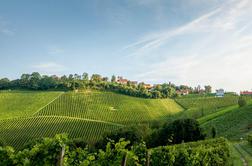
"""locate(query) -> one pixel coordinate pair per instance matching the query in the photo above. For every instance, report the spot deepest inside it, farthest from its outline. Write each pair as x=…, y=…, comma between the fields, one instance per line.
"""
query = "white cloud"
x=221, y=19
x=213, y=49
x=49, y=67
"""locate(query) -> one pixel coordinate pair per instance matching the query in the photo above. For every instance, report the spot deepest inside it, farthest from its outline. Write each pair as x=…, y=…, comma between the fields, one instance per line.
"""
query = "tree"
x=105, y=79
x=34, y=80
x=181, y=130
x=113, y=78
x=213, y=132
x=4, y=83
x=85, y=76
x=242, y=102
x=129, y=134
x=208, y=89
x=96, y=78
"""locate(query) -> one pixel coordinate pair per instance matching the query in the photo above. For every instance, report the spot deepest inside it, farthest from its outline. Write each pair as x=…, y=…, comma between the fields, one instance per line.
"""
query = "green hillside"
x=111, y=107
x=233, y=123
x=197, y=107
x=86, y=115
x=23, y=103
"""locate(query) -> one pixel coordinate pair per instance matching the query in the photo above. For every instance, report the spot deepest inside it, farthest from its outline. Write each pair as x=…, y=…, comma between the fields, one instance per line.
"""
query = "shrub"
x=242, y=102
x=210, y=152
x=130, y=134
x=181, y=130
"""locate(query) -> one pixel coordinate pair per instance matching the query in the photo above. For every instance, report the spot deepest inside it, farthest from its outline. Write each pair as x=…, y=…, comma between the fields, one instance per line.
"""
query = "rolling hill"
x=86, y=115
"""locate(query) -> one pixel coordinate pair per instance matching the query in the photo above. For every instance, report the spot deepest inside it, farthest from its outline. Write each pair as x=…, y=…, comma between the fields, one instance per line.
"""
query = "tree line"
x=36, y=81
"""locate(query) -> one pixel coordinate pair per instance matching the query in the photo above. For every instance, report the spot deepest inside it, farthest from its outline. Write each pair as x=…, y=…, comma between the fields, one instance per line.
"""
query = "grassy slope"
x=233, y=124
x=18, y=132
x=23, y=103
x=82, y=115
x=201, y=106
x=108, y=106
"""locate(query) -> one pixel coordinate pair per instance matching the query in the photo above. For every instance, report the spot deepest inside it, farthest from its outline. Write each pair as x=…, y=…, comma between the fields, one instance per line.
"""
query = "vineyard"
x=235, y=124
x=111, y=107
x=24, y=103
x=46, y=152
x=199, y=107
x=86, y=115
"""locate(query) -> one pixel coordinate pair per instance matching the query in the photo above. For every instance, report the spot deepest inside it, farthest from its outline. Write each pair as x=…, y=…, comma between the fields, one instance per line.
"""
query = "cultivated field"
x=197, y=107
x=23, y=103
x=86, y=115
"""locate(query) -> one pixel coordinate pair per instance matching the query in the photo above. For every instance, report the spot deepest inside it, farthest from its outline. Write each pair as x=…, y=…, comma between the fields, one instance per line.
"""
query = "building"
x=220, y=93
x=121, y=80
x=147, y=86
x=183, y=92
x=246, y=93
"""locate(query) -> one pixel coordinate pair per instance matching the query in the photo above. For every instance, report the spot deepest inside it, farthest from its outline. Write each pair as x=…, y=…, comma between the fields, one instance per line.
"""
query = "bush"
x=129, y=134
x=210, y=152
x=181, y=130
x=242, y=102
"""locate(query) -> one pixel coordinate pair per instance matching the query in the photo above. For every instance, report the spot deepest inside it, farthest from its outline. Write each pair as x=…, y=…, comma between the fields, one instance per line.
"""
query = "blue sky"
x=183, y=41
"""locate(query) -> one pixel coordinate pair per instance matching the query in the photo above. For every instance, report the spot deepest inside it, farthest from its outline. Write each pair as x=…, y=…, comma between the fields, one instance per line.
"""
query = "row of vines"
x=17, y=132
x=57, y=150
x=110, y=107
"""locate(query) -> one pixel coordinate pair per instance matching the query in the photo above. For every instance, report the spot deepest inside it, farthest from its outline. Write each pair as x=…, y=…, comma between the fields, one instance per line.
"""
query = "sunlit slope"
x=234, y=124
x=197, y=107
x=23, y=103
x=17, y=132
x=111, y=107
x=82, y=115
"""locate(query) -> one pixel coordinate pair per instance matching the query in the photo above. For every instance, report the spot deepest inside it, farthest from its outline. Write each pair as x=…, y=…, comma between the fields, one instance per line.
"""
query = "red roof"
x=246, y=93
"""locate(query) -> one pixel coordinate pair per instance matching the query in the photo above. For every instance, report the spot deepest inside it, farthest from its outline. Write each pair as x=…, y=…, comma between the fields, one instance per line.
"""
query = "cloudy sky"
x=183, y=41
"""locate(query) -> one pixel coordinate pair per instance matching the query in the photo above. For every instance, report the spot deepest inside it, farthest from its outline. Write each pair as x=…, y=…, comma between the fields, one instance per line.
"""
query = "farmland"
x=201, y=106
x=27, y=115
x=86, y=115
x=234, y=124
x=111, y=107
x=23, y=103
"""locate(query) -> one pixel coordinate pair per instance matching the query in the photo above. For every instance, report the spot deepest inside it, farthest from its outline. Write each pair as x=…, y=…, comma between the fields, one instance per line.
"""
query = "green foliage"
x=181, y=130
x=235, y=124
x=49, y=151
x=201, y=106
x=209, y=152
x=35, y=81
x=242, y=102
x=16, y=132
x=130, y=134
x=213, y=132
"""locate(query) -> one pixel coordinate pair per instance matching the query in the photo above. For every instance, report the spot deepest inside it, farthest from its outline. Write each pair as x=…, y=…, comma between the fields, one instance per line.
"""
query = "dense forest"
x=36, y=81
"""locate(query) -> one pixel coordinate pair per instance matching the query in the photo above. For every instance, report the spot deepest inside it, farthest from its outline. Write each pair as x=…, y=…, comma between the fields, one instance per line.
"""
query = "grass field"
x=86, y=115
x=23, y=103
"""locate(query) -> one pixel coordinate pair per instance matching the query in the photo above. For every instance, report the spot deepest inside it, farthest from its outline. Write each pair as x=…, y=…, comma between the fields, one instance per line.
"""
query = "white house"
x=220, y=93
